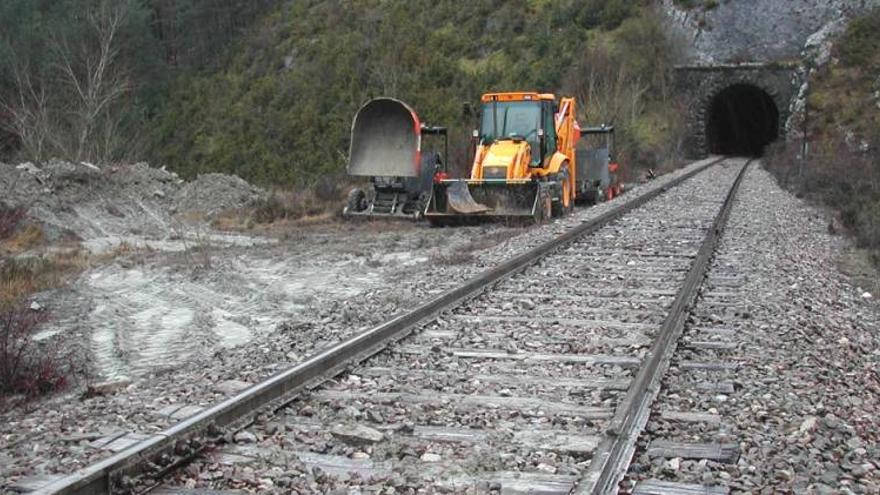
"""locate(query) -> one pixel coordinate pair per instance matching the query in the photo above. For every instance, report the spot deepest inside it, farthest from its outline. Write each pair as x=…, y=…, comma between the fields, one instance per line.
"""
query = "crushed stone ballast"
x=592, y=299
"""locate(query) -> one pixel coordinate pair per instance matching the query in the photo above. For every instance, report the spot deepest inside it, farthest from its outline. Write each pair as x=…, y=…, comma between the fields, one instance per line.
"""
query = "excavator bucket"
x=385, y=140
x=459, y=202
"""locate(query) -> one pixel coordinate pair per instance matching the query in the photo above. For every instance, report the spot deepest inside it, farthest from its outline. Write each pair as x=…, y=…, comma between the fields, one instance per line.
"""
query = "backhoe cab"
x=524, y=164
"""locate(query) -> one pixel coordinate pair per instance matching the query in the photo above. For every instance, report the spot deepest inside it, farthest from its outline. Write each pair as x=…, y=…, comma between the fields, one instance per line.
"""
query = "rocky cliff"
x=732, y=31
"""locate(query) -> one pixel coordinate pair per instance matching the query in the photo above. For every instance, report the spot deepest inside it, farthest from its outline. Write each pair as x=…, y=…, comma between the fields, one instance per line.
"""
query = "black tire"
x=544, y=209
x=357, y=201
x=600, y=195
x=559, y=209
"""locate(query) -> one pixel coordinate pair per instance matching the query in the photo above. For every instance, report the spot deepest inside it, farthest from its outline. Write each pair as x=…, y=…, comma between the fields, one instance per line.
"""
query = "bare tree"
x=97, y=83
x=73, y=109
x=28, y=112
x=610, y=92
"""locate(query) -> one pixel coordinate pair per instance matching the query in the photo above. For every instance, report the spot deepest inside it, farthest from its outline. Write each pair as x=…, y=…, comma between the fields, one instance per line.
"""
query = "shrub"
x=26, y=366
x=10, y=219
x=838, y=177
x=860, y=44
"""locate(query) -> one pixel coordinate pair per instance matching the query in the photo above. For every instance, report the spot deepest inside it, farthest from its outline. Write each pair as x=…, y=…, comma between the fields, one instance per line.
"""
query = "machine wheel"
x=357, y=200
x=544, y=209
x=600, y=195
x=565, y=204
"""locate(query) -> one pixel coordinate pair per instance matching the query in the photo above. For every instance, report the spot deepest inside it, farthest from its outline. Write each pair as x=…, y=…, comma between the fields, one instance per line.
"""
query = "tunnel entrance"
x=743, y=119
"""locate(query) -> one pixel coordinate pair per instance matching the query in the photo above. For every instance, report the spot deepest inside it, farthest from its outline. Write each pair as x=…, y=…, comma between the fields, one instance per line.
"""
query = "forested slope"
x=84, y=79
x=267, y=89
x=842, y=166
x=280, y=112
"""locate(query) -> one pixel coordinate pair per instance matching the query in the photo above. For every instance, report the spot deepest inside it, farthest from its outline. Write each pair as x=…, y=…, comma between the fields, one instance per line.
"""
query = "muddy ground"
x=151, y=310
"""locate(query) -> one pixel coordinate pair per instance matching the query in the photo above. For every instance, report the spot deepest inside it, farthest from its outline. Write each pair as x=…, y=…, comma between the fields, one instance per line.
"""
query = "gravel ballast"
x=801, y=343
x=59, y=434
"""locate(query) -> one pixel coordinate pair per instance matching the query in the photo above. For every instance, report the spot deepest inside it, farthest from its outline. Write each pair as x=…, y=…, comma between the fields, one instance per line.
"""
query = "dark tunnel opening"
x=743, y=119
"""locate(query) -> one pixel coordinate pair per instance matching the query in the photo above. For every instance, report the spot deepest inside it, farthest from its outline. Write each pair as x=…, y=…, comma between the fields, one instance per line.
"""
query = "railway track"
x=535, y=377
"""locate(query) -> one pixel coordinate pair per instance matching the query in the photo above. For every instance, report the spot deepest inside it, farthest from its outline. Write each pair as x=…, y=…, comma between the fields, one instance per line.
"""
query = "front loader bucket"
x=459, y=200
x=456, y=202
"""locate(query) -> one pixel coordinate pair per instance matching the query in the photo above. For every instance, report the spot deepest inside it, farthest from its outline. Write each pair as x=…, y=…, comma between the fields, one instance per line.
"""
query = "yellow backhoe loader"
x=524, y=165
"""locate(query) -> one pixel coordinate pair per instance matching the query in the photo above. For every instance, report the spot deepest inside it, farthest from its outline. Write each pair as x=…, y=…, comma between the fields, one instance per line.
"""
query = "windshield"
x=515, y=118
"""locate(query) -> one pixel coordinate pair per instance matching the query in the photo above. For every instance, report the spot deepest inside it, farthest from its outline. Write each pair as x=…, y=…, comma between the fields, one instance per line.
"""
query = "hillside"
x=83, y=79
x=279, y=111
x=841, y=168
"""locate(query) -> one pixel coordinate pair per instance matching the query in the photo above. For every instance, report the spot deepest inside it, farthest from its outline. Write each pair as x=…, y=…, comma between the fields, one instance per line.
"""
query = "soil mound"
x=82, y=201
x=212, y=193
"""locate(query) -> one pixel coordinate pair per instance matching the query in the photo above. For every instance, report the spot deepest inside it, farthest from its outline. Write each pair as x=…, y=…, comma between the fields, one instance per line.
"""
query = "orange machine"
x=524, y=164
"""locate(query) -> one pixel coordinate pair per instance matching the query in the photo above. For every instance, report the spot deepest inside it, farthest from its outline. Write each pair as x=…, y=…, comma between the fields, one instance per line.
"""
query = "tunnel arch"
x=741, y=119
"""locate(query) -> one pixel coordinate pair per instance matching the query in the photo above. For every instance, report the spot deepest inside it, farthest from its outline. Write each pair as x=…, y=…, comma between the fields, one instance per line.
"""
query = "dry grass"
x=281, y=210
x=28, y=266
x=16, y=235
x=24, y=239
x=21, y=277
x=835, y=176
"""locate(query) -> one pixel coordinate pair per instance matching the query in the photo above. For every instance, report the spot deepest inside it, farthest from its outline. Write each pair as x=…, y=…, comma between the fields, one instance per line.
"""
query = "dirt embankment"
x=82, y=202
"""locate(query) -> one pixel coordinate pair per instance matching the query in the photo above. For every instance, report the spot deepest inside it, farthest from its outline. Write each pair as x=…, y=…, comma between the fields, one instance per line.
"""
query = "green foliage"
x=274, y=105
x=842, y=170
x=624, y=77
x=41, y=112
x=860, y=44
x=693, y=4
x=279, y=111
x=843, y=96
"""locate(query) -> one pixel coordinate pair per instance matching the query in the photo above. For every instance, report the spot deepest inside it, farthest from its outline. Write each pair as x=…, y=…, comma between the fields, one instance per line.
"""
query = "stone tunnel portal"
x=742, y=120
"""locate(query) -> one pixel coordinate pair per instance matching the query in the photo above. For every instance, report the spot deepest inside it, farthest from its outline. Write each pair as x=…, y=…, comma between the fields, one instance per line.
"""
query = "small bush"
x=10, y=219
x=272, y=208
x=27, y=367
x=847, y=181
x=860, y=44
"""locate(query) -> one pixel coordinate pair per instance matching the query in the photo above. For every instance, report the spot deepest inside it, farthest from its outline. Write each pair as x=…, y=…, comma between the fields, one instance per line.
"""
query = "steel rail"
x=183, y=440
x=613, y=455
